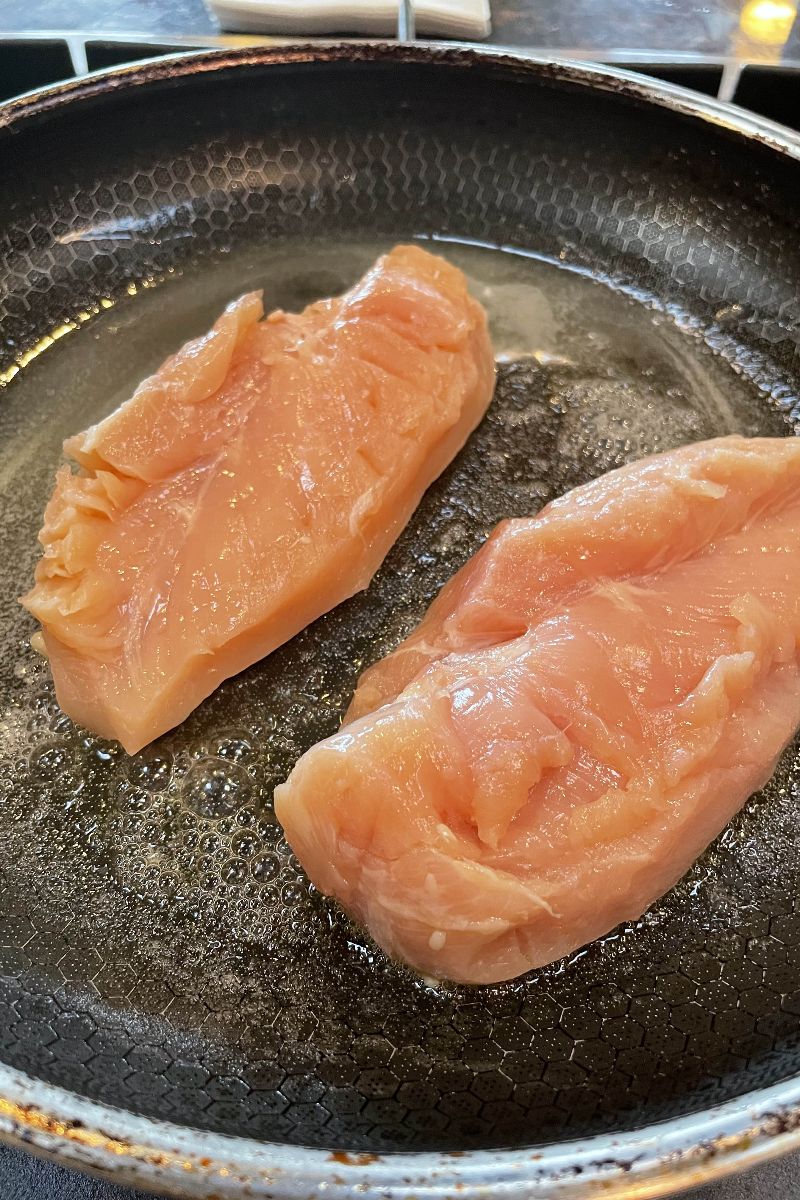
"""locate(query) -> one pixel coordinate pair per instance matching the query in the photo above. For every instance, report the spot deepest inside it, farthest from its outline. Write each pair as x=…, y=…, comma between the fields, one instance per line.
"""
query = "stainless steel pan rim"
x=597, y=75
x=653, y=1161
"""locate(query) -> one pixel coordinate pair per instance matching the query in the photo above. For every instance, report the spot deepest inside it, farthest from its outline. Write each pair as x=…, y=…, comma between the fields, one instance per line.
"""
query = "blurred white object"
x=444, y=18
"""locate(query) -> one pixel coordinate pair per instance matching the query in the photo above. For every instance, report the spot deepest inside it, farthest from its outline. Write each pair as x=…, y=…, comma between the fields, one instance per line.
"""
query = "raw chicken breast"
x=586, y=704
x=251, y=484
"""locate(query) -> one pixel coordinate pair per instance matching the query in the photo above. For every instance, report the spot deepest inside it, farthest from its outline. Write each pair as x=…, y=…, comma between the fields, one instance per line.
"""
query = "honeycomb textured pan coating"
x=160, y=947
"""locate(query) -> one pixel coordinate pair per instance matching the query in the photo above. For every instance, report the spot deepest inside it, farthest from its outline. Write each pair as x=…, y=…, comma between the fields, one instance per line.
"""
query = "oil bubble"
x=151, y=770
x=265, y=868
x=136, y=800
x=215, y=790
x=245, y=844
x=52, y=760
x=234, y=746
x=233, y=871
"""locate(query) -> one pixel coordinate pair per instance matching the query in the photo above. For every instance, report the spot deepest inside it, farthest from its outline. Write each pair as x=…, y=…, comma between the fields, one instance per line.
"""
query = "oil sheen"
x=180, y=894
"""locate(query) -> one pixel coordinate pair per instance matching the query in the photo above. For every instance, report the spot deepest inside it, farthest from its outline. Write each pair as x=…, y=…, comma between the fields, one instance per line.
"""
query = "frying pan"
x=178, y=1008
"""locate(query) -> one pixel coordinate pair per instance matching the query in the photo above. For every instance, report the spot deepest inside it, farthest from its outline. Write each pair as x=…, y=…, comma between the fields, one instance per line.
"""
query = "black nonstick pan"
x=178, y=1007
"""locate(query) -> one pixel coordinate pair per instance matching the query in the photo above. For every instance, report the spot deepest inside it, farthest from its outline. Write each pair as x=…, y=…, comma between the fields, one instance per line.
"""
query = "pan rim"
x=631, y=84
x=144, y=1152
x=652, y=1160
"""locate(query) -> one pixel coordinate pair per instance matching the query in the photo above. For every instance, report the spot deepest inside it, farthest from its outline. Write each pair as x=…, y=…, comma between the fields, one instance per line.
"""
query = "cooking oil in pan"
x=165, y=875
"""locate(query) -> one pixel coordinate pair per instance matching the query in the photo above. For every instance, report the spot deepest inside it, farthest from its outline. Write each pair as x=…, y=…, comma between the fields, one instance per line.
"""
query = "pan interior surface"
x=160, y=947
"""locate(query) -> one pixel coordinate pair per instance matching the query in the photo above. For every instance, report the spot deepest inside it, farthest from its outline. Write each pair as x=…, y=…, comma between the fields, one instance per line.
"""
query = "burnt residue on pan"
x=160, y=949
x=170, y=1158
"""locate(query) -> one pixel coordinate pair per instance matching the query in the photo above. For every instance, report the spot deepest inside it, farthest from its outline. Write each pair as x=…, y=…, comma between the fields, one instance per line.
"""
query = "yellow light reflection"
x=768, y=22
x=52, y=337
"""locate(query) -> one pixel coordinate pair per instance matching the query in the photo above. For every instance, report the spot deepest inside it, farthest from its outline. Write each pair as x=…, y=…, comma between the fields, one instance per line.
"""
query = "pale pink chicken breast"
x=585, y=706
x=251, y=484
